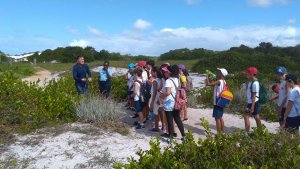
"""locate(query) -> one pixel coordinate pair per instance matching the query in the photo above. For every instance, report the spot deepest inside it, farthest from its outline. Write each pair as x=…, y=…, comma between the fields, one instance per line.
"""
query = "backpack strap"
x=176, y=88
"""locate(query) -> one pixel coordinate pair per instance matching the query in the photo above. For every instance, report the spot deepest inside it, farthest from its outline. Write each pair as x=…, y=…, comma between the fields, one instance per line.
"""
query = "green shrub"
x=29, y=106
x=259, y=149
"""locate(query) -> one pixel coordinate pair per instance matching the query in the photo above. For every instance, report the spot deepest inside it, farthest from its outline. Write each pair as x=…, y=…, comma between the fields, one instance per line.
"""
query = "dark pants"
x=175, y=114
x=82, y=88
x=104, y=87
x=292, y=124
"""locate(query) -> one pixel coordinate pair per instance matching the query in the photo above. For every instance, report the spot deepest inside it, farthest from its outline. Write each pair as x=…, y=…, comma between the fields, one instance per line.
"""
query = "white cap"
x=223, y=71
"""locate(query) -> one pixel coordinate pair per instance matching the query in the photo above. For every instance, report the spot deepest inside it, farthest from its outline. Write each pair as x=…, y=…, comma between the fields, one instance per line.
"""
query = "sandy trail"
x=43, y=77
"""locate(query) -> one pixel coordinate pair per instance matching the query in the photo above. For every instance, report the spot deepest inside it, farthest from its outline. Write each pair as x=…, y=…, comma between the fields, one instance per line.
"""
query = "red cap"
x=142, y=63
x=251, y=71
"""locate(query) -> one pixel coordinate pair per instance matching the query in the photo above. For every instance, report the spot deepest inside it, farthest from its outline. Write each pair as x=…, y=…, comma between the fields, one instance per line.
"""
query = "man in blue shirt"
x=82, y=75
x=105, y=75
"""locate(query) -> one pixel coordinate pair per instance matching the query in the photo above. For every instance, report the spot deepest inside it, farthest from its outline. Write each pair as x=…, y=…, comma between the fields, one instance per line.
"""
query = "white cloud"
x=266, y=3
x=192, y=2
x=160, y=41
x=72, y=30
x=95, y=32
x=141, y=24
x=80, y=43
x=292, y=21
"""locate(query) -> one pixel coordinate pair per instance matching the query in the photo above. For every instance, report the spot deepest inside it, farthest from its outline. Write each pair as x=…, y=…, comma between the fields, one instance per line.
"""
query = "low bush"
x=97, y=109
x=259, y=149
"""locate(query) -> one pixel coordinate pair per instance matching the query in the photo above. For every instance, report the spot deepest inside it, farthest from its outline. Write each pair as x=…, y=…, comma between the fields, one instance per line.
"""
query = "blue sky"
x=149, y=27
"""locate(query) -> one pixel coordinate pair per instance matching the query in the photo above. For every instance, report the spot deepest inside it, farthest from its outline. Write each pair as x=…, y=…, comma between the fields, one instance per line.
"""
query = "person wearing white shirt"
x=291, y=119
x=171, y=86
x=252, y=98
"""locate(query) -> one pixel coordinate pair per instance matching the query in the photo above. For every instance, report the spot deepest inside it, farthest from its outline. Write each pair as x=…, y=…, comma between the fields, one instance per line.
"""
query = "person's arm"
x=88, y=71
x=274, y=98
x=208, y=83
x=167, y=93
x=75, y=74
x=108, y=73
x=255, y=90
x=253, y=101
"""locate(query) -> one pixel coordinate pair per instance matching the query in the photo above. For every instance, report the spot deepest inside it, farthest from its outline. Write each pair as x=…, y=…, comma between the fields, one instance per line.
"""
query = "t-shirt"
x=103, y=75
x=282, y=93
x=294, y=96
x=255, y=88
x=136, y=97
x=128, y=76
x=144, y=76
x=218, y=89
x=158, y=84
x=169, y=101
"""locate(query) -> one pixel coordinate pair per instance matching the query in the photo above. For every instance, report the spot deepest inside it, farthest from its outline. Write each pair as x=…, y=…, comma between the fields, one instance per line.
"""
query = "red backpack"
x=180, y=98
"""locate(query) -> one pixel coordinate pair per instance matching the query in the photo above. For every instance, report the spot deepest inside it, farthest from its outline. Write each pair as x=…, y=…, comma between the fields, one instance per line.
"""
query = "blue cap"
x=280, y=70
x=131, y=65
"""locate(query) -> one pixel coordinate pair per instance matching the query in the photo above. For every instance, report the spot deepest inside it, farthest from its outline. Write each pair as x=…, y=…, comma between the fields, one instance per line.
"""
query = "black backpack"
x=144, y=92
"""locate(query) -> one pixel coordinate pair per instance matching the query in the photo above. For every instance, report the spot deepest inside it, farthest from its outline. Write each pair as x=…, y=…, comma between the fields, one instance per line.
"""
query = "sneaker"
x=145, y=121
x=135, y=116
x=136, y=123
x=154, y=130
x=165, y=135
x=174, y=134
x=140, y=126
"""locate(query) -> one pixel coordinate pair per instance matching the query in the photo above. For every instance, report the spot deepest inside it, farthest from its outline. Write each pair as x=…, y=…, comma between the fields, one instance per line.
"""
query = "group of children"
x=288, y=98
x=162, y=83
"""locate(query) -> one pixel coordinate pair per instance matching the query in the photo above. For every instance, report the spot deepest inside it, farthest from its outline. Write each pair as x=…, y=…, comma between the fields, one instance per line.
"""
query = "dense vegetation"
x=69, y=54
x=259, y=149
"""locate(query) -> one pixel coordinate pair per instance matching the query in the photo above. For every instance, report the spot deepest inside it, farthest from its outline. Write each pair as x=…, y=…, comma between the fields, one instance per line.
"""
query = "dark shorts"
x=218, y=112
x=82, y=88
x=281, y=118
x=256, y=109
x=104, y=87
x=138, y=106
x=292, y=123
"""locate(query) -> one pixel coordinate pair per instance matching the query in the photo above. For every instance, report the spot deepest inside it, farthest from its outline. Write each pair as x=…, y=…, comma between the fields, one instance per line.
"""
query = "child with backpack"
x=219, y=86
x=281, y=73
x=291, y=119
x=138, y=98
x=253, y=91
x=171, y=86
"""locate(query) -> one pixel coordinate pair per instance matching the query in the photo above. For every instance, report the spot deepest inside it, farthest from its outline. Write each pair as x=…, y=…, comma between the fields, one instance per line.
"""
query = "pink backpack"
x=180, y=98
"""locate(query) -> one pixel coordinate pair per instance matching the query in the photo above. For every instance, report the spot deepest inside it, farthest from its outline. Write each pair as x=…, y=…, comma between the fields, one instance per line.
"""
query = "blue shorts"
x=138, y=106
x=218, y=112
x=292, y=123
x=282, y=115
x=82, y=88
x=256, y=109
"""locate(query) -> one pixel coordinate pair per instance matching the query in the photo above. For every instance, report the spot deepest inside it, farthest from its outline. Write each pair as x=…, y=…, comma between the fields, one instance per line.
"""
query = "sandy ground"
x=83, y=146
x=43, y=77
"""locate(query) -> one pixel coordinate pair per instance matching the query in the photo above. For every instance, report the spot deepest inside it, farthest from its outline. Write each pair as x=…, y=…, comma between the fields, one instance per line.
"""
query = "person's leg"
x=185, y=113
x=102, y=87
x=247, y=122
x=161, y=118
x=178, y=121
x=218, y=124
x=256, y=114
x=169, y=116
x=79, y=89
x=108, y=87
x=247, y=118
x=222, y=124
x=281, y=117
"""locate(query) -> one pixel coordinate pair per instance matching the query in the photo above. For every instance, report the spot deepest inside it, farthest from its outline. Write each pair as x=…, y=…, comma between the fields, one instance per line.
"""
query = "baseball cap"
x=165, y=69
x=251, y=71
x=142, y=63
x=181, y=66
x=280, y=70
x=223, y=71
x=291, y=77
x=131, y=65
